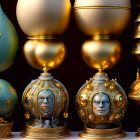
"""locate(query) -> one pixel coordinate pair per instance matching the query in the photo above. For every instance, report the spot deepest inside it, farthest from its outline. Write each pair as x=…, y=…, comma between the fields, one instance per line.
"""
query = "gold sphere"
x=49, y=53
x=40, y=53
x=101, y=54
x=29, y=53
x=43, y=18
x=65, y=114
x=27, y=115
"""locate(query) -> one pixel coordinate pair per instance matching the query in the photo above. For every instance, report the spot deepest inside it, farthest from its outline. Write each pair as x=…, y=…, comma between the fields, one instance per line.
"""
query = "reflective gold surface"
x=101, y=54
x=42, y=18
x=99, y=117
x=84, y=101
x=137, y=30
x=41, y=133
x=135, y=89
x=40, y=53
x=46, y=123
x=136, y=50
x=50, y=53
x=97, y=17
x=120, y=3
x=5, y=129
x=114, y=133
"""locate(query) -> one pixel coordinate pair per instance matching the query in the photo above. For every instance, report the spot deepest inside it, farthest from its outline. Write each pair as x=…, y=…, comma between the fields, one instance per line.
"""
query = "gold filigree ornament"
x=42, y=100
x=101, y=107
x=135, y=93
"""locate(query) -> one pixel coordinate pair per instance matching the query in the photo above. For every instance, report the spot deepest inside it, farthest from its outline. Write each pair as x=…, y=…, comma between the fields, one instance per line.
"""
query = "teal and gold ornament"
x=8, y=101
x=8, y=42
x=8, y=95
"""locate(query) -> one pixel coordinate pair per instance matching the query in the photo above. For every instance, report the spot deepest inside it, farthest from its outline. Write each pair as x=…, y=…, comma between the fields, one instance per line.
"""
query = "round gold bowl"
x=101, y=54
x=102, y=18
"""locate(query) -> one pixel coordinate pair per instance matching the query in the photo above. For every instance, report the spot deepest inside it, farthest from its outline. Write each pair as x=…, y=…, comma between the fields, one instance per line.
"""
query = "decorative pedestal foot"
x=43, y=133
x=113, y=133
x=5, y=129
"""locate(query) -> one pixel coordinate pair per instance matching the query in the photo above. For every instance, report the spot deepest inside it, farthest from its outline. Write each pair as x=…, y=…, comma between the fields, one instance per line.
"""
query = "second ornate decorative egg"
x=101, y=104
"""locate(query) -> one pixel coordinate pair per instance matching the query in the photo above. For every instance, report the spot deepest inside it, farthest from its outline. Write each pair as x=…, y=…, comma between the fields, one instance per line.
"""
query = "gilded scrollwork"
x=104, y=104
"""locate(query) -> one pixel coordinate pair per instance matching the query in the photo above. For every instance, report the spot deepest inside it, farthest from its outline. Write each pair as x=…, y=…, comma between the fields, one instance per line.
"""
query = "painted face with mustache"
x=101, y=104
x=46, y=102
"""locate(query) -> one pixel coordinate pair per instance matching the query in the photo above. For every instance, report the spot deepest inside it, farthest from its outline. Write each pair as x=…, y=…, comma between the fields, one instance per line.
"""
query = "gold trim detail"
x=5, y=130
x=8, y=102
x=105, y=6
x=45, y=133
x=113, y=133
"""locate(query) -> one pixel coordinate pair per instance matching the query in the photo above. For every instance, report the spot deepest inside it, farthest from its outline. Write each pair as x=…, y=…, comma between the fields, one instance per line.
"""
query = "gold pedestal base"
x=5, y=129
x=113, y=133
x=45, y=133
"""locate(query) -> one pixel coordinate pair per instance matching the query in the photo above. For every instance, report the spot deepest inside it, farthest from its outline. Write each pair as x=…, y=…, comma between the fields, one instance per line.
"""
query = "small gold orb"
x=60, y=94
x=112, y=87
x=27, y=115
x=65, y=114
x=106, y=84
x=9, y=102
x=89, y=87
x=91, y=117
x=81, y=112
x=111, y=118
x=58, y=85
x=117, y=117
x=82, y=100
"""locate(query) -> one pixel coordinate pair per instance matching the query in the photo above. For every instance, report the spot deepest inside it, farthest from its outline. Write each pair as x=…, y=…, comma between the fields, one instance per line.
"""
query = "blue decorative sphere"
x=8, y=98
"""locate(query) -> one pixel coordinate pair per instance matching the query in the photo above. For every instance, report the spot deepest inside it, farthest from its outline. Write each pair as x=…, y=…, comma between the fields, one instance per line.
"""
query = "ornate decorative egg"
x=104, y=103
x=45, y=97
x=43, y=17
x=8, y=42
x=98, y=17
x=8, y=98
